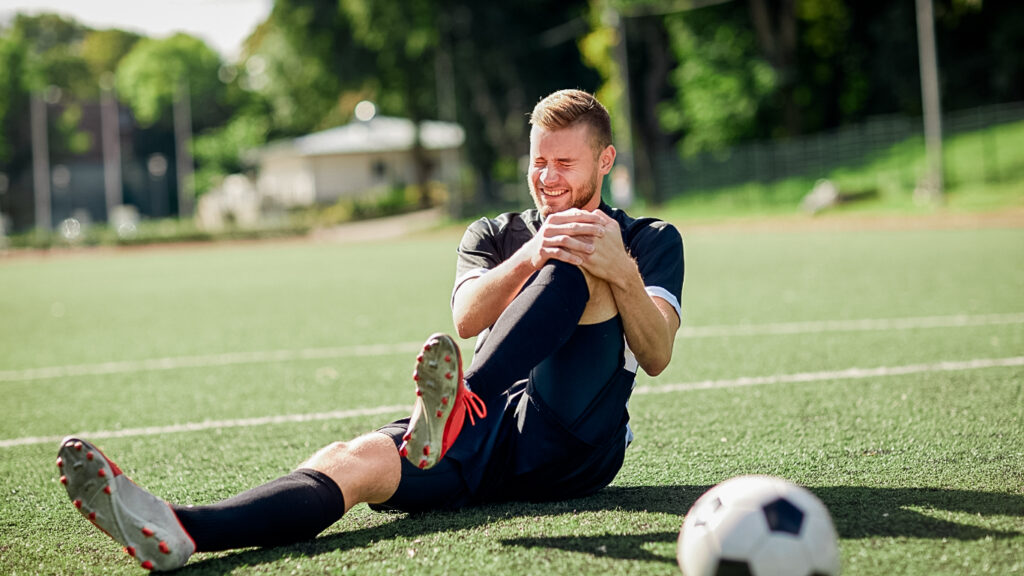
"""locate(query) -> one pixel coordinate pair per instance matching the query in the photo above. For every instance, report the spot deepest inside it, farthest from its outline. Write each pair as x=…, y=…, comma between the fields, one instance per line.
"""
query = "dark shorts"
x=525, y=450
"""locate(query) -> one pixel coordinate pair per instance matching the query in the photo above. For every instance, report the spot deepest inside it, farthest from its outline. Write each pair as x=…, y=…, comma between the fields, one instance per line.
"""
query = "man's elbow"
x=463, y=325
x=464, y=331
x=655, y=365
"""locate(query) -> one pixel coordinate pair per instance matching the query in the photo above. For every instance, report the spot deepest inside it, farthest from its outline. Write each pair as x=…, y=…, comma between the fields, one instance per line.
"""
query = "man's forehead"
x=570, y=138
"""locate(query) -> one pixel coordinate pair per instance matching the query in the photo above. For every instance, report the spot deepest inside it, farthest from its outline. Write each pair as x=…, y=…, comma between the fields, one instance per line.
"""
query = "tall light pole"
x=182, y=142
x=40, y=162
x=111, y=136
x=932, y=186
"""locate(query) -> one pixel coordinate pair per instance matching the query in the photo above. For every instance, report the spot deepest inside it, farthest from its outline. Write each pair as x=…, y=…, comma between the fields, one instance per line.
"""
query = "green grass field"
x=204, y=371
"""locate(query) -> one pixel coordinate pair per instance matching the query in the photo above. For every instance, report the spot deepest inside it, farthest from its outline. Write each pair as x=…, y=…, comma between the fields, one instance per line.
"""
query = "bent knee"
x=601, y=304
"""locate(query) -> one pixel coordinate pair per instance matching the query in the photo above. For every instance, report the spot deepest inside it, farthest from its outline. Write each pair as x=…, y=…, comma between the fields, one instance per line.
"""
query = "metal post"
x=40, y=162
x=182, y=139
x=930, y=97
x=625, y=112
x=111, y=134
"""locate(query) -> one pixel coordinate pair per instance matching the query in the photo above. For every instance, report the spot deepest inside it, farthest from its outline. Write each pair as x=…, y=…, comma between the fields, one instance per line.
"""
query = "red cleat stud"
x=129, y=551
x=78, y=446
x=415, y=376
x=407, y=436
x=444, y=401
x=439, y=413
x=419, y=358
x=448, y=375
x=147, y=532
x=60, y=462
x=426, y=450
x=88, y=456
x=64, y=480
x=423, y=463
x=106, y=489
x=419, y=392
x=448, y=358
x=147, y=565
x=403, y=451
x=164, y=548
x=92, y=516
x=78, y=504
x=102, y=473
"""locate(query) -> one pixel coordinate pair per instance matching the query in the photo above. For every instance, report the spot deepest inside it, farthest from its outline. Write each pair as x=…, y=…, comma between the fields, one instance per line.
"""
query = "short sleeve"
x=478, y=253
x=658, y=250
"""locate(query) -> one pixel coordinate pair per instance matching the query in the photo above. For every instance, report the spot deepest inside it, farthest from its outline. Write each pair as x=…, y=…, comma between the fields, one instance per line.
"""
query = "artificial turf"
x=923, y=472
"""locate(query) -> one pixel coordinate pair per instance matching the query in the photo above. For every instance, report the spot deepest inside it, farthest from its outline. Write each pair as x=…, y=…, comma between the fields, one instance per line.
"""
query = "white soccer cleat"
x=144, y=524
x=442, y=403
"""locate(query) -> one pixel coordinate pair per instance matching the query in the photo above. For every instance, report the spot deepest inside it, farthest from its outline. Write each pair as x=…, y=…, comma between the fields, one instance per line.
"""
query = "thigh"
x=573, y=383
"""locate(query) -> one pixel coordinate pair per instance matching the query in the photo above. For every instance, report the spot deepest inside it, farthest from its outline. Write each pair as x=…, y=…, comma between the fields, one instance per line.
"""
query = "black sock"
x=290, y=509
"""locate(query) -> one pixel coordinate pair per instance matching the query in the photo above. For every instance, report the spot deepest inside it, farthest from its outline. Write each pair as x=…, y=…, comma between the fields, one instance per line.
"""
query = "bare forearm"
x=650, y=325
x=479, y=302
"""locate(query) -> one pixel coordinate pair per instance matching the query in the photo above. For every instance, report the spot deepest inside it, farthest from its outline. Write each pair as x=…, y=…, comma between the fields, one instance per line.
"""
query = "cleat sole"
x=435, y=386
x=122, y=510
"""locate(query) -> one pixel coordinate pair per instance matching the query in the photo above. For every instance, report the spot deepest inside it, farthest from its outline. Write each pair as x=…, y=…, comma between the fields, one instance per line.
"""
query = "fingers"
x=576, y=215
x=574, y=229
x=563, y=255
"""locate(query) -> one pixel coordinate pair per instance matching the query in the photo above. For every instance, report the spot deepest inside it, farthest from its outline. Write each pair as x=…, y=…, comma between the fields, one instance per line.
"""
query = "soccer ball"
x=758, y=526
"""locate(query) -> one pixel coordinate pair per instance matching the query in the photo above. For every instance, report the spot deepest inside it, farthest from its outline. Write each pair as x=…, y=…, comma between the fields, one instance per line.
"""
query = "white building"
x=356, y=160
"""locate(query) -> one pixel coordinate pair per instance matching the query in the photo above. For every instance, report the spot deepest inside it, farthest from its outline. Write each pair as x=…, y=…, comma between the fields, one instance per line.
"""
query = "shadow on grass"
x=858, y=512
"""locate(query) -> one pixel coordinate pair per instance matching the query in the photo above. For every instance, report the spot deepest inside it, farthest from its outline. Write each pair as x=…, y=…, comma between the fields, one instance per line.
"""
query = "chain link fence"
x=980, y=158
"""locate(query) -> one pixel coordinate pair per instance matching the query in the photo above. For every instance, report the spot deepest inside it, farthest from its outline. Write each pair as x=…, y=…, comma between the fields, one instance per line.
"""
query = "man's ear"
x=606, y=159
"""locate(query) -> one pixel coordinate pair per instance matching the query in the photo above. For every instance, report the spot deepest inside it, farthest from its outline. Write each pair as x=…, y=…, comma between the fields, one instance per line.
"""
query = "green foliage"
x=597, y=51
x=149, y=77
x=218, y=151
x=721, y=82
x=104, y=49
x=15, y=83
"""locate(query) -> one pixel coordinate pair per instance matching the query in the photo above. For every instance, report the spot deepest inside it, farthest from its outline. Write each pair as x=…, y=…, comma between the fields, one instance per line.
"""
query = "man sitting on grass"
x=567, y=300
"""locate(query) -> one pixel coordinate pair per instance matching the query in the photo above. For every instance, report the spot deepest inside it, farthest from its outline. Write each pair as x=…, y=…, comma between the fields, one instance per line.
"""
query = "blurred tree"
x=54, y=65
x=304, y=60
x=720, y=81
x=15, y=84
x=149, y=76
x=498, y=59
x=103, y=50
x=505, y=58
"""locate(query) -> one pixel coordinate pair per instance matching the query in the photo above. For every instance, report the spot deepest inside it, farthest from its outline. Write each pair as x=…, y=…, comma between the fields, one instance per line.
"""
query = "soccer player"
x=566, y=300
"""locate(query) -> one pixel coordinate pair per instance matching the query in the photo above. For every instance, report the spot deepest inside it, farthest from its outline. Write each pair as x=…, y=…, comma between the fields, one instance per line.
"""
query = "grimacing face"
x=565, y=172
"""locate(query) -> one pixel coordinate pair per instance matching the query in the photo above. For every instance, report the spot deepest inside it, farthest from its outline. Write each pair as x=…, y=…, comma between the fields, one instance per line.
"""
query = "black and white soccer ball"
x=758, y=526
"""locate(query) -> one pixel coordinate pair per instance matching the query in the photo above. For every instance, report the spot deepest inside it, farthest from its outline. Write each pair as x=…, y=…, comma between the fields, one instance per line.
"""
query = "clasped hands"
x=589, y=239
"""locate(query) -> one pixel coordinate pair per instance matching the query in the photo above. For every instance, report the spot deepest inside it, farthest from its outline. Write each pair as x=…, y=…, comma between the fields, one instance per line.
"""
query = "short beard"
x=586, y=195
x=588, y=191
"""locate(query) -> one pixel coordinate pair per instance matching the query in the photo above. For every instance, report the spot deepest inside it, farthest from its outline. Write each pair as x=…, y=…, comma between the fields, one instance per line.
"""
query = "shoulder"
x=512, y=224
x=643, y=231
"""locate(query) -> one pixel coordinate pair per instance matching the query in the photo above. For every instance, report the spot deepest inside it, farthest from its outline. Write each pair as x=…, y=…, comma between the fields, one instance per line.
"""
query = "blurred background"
x=127, y=122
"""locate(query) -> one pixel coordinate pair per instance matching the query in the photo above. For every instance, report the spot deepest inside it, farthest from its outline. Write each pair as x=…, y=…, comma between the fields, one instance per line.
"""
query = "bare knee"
x=601, y=305
x=367, y=469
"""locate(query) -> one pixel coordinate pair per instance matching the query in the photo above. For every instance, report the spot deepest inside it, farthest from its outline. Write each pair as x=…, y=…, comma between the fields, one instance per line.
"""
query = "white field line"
x=237, y=358
x=212, y=425
x=848, y=374
x=864, y=325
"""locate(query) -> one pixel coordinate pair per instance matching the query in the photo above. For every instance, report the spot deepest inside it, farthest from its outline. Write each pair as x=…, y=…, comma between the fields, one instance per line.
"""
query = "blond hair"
x=567, y=108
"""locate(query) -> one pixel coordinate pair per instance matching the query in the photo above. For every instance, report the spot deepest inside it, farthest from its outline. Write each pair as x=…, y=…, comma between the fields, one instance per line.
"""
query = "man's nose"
x=548, y=175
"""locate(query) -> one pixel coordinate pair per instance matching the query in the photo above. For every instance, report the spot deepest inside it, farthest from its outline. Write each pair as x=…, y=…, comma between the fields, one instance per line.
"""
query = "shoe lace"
x=473, y=403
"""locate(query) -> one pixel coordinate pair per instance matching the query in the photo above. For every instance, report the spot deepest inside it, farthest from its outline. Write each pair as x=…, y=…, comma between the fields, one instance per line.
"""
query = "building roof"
x=380, y=134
